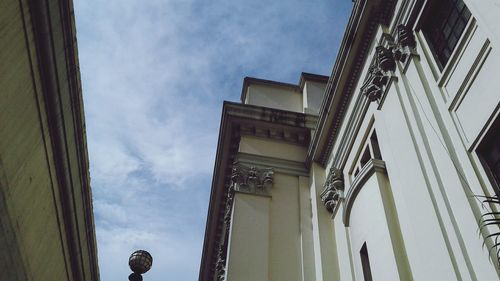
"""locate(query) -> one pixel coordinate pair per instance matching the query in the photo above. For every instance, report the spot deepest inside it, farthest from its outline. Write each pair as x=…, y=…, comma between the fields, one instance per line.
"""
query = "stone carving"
x=384, y=65
x=220, y=265
x=374, y=84
x=276, y=116
x=385, y=59
x=405, y=43
x=243, y=179
x=334, y=185
x=251, y=179
x=379, y=74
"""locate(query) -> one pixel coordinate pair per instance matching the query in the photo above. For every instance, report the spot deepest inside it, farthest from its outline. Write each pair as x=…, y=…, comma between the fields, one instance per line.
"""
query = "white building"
x=378, y=172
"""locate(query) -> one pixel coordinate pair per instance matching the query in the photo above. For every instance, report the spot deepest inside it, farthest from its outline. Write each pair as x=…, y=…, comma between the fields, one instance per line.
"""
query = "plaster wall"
x=313, y=96
x=285, y=262
x=368, y=225
x=269, y=148
x=29, y=211
x=274, y=97
x=248, y=248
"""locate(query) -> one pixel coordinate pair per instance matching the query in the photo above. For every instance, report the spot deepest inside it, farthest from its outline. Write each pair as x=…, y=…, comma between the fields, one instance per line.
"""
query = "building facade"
x=46, y=222
x=389, y=169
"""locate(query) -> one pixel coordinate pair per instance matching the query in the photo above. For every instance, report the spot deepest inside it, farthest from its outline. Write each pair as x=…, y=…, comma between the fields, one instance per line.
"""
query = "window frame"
x=429, y=11
x=487, y=138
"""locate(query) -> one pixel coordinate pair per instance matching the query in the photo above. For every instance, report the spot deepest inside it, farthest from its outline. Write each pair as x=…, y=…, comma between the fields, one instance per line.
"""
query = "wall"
x=313, y=96
x=46, y=225
x=428, y=122
x=279, y=97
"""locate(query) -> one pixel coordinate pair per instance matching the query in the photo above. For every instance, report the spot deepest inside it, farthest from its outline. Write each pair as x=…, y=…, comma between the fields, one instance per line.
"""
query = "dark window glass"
x=365, y=157
x=365, y=263
x=489, y=153
x=375, y=147
x=444, y=23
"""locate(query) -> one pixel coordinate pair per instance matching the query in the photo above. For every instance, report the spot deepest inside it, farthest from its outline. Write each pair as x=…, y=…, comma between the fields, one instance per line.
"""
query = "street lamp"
x=140, y=262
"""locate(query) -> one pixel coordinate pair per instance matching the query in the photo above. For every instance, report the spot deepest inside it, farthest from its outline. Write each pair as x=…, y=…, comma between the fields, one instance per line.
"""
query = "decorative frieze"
x=251, y=179
x=334, y=185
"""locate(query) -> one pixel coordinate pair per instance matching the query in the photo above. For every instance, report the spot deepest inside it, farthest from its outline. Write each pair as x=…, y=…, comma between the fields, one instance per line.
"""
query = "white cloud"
x=154, y=75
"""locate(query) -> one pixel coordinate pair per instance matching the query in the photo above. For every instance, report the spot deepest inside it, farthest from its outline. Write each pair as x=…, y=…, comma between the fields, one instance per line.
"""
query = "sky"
x=155, y=74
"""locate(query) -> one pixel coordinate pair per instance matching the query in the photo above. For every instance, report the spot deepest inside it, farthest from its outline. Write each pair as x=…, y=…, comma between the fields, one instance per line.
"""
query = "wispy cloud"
x=154, y=76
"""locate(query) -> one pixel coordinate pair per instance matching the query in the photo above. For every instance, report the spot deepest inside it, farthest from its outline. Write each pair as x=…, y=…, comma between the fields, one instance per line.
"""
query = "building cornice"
x=366, y=15
x=56, y=55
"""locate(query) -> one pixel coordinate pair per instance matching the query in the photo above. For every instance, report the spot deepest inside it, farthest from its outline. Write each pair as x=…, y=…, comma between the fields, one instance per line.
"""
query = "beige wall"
x=41, y=215
x=277, y=97
x=313, y=96
x=248, y=248
x=417, y=215
x=427, y=128
x=270, y=148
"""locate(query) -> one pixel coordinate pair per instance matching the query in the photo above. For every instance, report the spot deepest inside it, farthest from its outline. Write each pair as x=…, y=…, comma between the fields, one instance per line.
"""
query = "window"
x=365, y=263
x=489, y=154
x=444, y=23
x=371, y=151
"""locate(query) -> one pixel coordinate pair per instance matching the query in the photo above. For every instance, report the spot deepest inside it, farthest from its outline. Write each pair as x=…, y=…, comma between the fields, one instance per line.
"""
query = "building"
x=46, y=221
x=389, y=169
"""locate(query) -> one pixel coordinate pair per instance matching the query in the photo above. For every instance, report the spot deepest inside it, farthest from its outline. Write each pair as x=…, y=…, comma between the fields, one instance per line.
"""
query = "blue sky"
x=155, y=74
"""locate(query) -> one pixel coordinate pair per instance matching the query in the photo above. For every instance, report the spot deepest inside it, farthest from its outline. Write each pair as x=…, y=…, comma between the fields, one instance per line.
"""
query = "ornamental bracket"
x=405, y=44
x=251, y=179
x=332, y=193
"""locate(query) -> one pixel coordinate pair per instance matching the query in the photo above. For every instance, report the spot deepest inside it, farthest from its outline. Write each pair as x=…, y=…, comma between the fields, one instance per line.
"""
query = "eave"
x=53, y=26
x=360, y=31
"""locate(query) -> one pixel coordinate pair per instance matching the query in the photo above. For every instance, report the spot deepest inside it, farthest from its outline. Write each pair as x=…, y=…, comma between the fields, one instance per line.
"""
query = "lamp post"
x=140, y=262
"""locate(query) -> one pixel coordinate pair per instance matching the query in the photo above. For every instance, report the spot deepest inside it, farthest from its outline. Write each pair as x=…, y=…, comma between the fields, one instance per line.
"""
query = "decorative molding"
x=366, y=16
x=334, y=186
x=385, y=59
x=283, y=166
x=379, y=74
x=220, y=265
x=246, y=179
x=405, y=44
x=271, y=115
x=372, y=166
x=374, y=84
x=250, y=179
